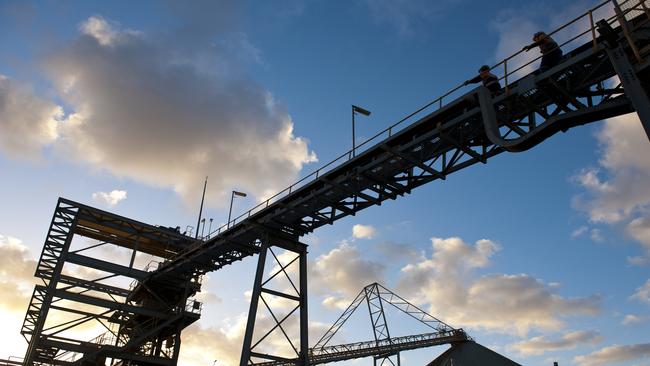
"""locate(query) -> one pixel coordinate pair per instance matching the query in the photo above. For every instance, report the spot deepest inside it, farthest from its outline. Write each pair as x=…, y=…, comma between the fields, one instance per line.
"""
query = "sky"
x=542, y=255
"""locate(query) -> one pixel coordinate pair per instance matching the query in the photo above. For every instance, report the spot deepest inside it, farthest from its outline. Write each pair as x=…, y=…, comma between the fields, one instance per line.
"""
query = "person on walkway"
x=551, y=52
x=488, y=79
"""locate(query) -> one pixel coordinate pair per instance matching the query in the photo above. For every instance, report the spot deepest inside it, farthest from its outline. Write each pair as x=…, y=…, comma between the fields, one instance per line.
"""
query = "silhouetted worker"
x=551, y=52
x=488, y=79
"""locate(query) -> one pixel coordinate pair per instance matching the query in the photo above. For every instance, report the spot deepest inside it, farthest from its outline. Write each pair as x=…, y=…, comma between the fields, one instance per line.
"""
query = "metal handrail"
x=588, y=14
x=356, y=346
x=319, y=355
x=439, y=101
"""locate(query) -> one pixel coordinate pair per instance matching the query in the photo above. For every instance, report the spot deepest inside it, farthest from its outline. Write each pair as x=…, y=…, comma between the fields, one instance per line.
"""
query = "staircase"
x=48, y=270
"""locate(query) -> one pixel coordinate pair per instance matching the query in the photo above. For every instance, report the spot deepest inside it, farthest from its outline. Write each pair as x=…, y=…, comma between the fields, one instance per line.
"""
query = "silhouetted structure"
x=470, y=353
x=144, y=311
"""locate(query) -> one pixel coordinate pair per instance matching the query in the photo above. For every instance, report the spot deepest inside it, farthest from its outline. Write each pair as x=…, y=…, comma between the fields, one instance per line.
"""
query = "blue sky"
x=541, y=255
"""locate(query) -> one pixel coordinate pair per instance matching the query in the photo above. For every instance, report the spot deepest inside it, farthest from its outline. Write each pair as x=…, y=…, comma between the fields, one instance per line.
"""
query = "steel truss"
x=294, y=294
x=540, y=105
x=81, y=290
x=452, y=138
x=384, y=349
x=144, y=321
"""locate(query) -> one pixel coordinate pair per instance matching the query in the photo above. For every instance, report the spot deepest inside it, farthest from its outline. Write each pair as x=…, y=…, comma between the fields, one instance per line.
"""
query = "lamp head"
x=360, y=110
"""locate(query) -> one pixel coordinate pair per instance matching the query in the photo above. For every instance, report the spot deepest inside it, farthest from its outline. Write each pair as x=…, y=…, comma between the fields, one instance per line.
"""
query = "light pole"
x=232, y=197
x=198, y=222
x=210, y=227
x=356, y=110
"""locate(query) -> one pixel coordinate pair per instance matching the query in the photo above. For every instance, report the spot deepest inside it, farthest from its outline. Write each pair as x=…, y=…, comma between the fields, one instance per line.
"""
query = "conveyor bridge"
x=604, y=74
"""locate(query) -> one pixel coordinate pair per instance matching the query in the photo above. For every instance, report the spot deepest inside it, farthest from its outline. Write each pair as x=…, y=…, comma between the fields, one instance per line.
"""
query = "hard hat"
x=484, y=68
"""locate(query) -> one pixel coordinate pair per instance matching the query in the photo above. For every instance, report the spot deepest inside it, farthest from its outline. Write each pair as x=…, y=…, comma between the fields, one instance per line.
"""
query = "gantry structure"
x=144, y=311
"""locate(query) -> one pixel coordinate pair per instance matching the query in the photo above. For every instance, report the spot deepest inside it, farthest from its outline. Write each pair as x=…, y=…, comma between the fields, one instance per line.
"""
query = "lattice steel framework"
x=384, y=349
x=80, y=290
x=145, y=320
x=295, y=293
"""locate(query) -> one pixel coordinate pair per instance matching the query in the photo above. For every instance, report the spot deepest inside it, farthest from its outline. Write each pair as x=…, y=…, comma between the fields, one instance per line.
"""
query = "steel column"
x=304, y=316
x=628, y=76
x=53, y=279
x=252, y=311
x=293, y=294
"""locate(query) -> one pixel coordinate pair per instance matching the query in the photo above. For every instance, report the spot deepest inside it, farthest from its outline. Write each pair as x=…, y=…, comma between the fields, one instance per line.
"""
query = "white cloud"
x=164, y=109
x=626, y=148
x=342, y=273
x=631, y=319
x=579, y=232
x=203, y=345
x=515, y=28
x=613, y=354
x=16, y=285
x=334, y=302
x=643, y=293
x=597, y=236
x=588, y=178
x=16, y=274
x=397, y=251
x=616, y=192
x=363, y=231
x=539, y=345
x=111, y=198
x=638, y=260
x=505, y=303
x=27, y=122
x=407, y=16
x=99, y=28
x=639, y=229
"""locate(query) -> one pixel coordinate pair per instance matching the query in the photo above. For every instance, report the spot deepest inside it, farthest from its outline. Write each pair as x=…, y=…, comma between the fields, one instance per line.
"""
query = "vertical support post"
x=627, y=74
x=58, y=240
x=252, y=311
x=177, y=346
x=265, y=286
x=136, y=247
x=593, y=31
x=353, y=139
x=645, y=9
x=304, y=316
x=505, y=75
x=198, y=222
x=378, y=321
x=626, y=31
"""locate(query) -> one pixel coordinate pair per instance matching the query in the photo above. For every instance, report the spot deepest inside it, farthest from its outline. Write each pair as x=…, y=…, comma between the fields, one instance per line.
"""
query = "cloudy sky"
x=543, y=256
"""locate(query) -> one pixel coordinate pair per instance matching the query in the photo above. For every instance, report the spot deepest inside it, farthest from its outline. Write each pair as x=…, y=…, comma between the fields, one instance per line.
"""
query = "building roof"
x=470, y=353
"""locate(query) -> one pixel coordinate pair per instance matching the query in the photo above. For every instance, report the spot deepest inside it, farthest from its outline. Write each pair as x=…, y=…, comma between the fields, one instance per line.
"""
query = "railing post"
x=251, y=353
x=505, y=75
x=645, y=9
x=593, y=30
x=632, y=86
x=623, y=22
